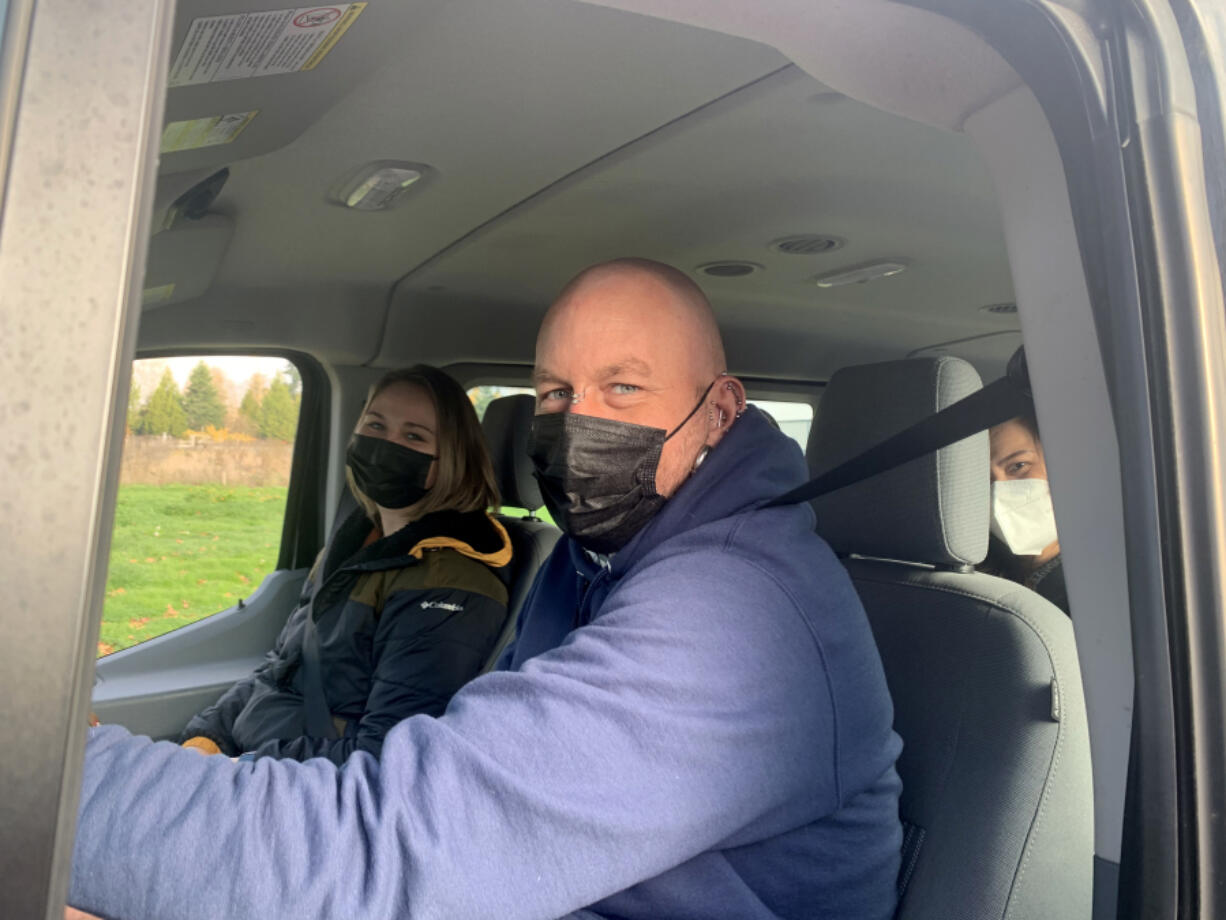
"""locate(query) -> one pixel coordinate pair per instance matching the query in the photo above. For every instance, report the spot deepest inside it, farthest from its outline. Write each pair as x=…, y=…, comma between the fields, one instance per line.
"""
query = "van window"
x=794, y=418
x=202, y=490
x=482, y=396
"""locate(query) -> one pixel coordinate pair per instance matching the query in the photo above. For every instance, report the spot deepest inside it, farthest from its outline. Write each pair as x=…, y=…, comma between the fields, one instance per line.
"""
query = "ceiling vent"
x=1001, y=309
x=729, y=268
x=806, y=244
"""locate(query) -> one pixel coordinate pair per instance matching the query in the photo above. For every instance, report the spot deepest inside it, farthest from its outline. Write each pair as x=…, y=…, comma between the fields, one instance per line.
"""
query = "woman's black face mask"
x=598, y=475
x=390, y=475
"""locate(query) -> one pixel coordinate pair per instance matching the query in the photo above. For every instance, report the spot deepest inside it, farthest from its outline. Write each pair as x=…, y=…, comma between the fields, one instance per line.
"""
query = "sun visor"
x=250, y=80
x=183, y=261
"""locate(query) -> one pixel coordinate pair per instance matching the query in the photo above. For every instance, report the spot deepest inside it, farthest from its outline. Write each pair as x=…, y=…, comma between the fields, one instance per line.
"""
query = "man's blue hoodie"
x=701, y=729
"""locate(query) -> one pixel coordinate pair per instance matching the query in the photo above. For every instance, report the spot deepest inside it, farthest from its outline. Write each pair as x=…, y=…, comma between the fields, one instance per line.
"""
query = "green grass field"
x=181, y=553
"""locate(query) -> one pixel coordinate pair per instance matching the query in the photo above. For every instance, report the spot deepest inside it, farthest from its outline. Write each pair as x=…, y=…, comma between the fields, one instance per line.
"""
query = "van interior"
x=850, y=185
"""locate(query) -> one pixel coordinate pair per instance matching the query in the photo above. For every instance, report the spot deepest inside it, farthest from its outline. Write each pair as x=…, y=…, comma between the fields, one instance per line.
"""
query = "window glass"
x=202, y=489
x=482, y=396
x=794, y=418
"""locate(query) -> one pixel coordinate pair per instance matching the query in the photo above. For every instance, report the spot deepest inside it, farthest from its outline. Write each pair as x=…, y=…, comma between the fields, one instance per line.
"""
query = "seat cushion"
x=996, y=758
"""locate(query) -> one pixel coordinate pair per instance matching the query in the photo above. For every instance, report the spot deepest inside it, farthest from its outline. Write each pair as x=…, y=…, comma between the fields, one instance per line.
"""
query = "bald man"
x=692, y=723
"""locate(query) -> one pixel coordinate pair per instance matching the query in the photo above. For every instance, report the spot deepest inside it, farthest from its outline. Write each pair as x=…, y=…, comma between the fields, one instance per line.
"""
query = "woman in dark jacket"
x=405, y=603
x=1024, y=546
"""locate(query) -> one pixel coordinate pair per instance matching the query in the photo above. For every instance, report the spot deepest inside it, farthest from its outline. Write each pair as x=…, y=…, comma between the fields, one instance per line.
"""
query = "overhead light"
x=860, y=274
x=378, y=186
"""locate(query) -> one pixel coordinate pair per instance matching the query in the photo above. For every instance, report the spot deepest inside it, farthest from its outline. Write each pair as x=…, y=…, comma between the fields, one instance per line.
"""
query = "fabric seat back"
x=997, y=799
x=507, y=424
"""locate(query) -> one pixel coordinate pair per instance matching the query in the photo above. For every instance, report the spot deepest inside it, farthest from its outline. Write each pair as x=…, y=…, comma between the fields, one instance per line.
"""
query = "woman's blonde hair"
x=464, y=480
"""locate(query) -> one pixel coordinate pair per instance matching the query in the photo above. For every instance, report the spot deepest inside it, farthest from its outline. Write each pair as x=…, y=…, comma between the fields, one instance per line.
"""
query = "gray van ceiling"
x=559, y=134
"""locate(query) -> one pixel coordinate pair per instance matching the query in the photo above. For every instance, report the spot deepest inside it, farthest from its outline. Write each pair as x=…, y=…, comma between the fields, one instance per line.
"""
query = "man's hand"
x=71, y=913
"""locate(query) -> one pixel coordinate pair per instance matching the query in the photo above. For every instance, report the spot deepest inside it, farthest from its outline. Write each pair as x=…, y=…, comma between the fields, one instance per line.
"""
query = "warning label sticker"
x=156, y=296
x=262, y=44
x=204, y=132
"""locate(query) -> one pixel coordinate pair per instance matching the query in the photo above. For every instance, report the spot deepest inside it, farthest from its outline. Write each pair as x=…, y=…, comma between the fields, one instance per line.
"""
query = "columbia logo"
x=441, y=605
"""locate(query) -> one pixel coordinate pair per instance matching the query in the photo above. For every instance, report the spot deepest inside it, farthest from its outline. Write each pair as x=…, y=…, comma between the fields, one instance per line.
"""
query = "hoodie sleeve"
x=692, y=714
x=429, y=643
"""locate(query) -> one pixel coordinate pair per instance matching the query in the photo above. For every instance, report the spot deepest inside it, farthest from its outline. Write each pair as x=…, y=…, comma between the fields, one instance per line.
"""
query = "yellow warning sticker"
x=263, y=44
x=156, y=296
x=205, y=132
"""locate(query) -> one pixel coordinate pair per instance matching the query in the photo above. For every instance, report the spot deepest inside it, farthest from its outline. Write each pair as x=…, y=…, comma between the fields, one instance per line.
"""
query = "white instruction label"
x=245, y=45
x=204, y=132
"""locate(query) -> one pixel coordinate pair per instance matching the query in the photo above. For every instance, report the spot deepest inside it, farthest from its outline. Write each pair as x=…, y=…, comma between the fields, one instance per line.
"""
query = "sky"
x=238, y=368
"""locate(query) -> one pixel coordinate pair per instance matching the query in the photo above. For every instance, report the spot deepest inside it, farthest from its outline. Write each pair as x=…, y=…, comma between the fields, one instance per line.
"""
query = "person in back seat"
x=403, y=605
x=1024, y=546
x=693, y=720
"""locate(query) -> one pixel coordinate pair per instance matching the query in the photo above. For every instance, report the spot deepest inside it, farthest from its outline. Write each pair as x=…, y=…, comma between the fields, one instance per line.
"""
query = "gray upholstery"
x=997, y=799
x=506, y=425
x=996, y=756
x=933, y=509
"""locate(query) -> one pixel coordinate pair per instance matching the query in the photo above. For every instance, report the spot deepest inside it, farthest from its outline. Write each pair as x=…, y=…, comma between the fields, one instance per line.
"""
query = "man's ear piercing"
x=740, y=403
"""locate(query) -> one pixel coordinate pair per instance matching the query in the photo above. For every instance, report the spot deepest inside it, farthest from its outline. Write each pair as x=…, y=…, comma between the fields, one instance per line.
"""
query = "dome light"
x=860, y=274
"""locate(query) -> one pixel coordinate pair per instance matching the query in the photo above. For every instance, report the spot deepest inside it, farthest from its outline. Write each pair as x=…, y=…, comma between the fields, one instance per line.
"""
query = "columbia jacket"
x=701, y=730
x=402, y=623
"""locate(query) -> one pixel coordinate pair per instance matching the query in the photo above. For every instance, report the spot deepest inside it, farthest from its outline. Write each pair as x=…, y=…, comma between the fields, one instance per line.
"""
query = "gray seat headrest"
x=933, y=509
x=507, y=425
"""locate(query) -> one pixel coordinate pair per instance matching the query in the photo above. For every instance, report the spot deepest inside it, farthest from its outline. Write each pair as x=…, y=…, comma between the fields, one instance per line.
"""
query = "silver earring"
x=702, y=455
x=740, y=403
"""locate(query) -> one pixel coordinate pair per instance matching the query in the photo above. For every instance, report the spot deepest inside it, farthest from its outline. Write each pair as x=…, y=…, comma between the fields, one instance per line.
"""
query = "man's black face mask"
x=598, y=475
x=390, y=475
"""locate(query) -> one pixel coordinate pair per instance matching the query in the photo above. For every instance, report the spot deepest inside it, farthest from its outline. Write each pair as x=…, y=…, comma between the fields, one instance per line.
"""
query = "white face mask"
x=1022, y=515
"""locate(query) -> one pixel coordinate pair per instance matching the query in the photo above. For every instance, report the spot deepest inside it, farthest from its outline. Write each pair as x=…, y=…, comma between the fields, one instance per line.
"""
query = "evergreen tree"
x=164, y=414
x=293, y=378
x=134, y=408
x=249, y=408
x=249, y=414
x=278, y=412
x=225, y=392
x=201, y=401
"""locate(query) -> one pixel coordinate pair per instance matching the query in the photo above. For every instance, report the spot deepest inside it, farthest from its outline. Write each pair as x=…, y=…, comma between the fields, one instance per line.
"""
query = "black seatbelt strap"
x=998, y=402
x=316, y=714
